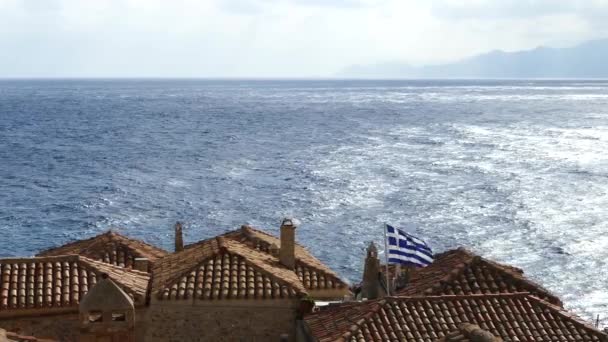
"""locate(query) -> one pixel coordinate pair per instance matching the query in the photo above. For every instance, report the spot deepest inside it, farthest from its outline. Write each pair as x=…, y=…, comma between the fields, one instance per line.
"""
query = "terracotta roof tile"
x=512, y=317
x=459, y=272
x=110, y=247
x=53, y=282
x=332, y=322
x=221, y=268
x=467, y=332
x=311, y=271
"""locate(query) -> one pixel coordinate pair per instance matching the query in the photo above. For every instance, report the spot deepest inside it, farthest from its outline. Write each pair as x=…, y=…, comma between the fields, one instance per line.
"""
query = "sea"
x=515, y=170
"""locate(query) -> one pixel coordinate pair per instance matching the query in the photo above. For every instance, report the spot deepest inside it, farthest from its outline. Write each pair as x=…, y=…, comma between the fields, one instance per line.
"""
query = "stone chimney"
x=179, y=237
x=141, y=264
x=287, y=253
x=370, y=288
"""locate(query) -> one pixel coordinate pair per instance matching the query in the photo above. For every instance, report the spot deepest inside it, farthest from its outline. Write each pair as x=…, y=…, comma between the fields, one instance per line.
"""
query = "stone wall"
x=63, y=327
x=60, y=326
x=228, y=320
x=329, y=294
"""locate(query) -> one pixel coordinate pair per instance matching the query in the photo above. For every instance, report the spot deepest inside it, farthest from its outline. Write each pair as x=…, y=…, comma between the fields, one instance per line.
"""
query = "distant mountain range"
x=587, y=60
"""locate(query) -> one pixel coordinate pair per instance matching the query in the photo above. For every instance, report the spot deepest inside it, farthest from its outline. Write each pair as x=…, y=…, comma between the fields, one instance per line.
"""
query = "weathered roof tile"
x=311, y=271
x=467, y=332
x=109, y=247
x=62, y=281
x=459, y=271
x=223, y=269
x=512, y=317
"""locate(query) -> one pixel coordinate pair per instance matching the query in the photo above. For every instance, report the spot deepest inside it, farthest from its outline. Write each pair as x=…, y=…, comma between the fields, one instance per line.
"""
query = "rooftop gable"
x=311, y=271
x=512, y=317
x=221, y=268
x=61, y=282
x=110, y=247
x=106, y=296
x=460, y=271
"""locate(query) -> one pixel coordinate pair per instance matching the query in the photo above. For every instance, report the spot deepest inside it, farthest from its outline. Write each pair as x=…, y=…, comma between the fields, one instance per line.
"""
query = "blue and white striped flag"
x=404, y=248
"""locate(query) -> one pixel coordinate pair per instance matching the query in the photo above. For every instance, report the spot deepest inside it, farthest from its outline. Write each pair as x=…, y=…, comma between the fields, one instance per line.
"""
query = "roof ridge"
x=116, y=236
x=461, y=296
x=259, y=230
x=93, y=263
x=296, y=285
x=470, y=260
x=214, y=249
x=303, y=261
x=130, y=285
x=221, y=242
x=455, y=272
x=566, y=314
x=70, y=244
x=40, y=259
x=327, y=270
x=520, y=277
x=111, y=234
x=460, y=249
x=206, y=240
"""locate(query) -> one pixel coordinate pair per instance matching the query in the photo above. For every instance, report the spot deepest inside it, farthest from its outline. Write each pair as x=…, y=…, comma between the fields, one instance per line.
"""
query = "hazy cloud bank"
x=273, y=38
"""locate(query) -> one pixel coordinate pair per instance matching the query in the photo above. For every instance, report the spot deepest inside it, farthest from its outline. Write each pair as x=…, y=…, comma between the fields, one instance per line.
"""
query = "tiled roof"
x=459, y=272
x=467, y=332
x=512, y=317
x=221, y=268
x=332, y=322
x=312, y=272
x=54, y=282
x=109, y=247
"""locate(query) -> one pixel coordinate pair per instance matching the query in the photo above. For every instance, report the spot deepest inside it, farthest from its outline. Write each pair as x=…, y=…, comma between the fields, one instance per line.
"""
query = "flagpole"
x=388, y=285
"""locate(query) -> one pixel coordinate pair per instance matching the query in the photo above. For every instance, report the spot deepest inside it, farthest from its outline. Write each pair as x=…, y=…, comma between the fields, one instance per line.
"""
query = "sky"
x=274, y=38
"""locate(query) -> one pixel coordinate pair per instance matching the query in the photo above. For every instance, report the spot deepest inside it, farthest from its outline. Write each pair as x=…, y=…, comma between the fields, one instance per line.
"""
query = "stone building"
x=459, y=297
x=41, y=296
x=247, y=285
x=244, y=285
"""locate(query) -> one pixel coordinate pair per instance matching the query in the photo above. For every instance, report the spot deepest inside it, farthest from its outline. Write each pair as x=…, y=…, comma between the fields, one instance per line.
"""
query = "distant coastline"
x=583, y=61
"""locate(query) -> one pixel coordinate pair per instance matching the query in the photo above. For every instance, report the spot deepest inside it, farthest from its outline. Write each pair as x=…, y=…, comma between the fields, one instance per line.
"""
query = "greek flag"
x=404, y=248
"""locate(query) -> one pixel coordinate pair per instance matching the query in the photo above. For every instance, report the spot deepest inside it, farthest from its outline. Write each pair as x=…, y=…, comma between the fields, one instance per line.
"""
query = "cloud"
x=549, y=22
x=259, y=6
x=272, y=38
x=493, y=9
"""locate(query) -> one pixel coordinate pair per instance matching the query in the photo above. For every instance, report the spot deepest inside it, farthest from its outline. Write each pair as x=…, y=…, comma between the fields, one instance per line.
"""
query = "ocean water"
x=514, y=170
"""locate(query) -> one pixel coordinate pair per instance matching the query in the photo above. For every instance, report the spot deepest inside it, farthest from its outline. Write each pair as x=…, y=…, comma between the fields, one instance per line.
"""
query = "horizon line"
x=288, y=78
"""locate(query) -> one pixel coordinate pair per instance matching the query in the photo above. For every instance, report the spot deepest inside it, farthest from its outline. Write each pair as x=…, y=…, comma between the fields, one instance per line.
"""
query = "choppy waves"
x=514, y=170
